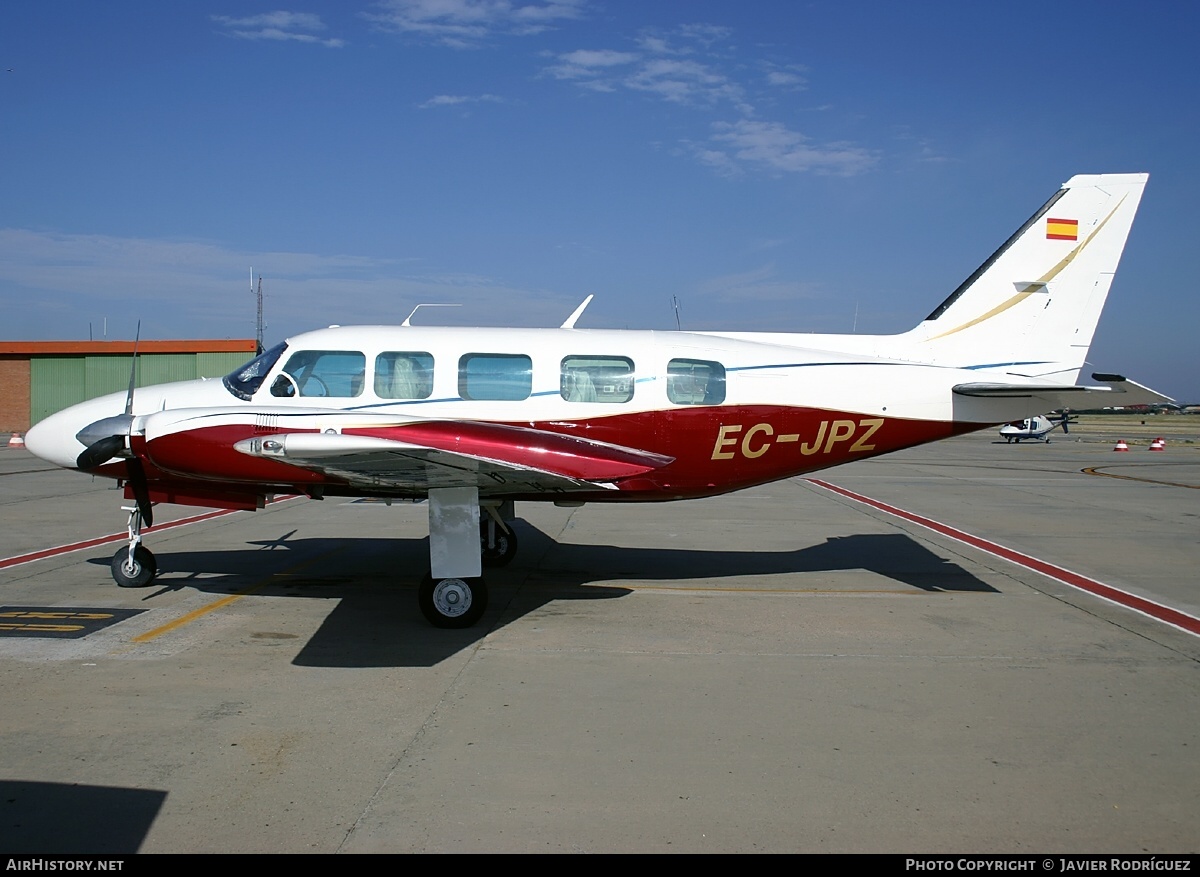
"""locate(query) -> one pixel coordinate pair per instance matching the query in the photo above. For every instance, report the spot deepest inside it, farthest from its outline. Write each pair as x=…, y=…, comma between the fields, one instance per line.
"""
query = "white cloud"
x=682, y=68
x=657, y=45
x=301, y=27
x=705, y=34
x=466, y=23
x=658, y=69
x=590, y=61
x=790, y=77
x=775, y=147
x=451, y=100
x=684, y=82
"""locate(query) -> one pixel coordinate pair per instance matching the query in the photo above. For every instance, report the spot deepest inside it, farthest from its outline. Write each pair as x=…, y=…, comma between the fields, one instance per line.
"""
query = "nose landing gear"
x=134, y=566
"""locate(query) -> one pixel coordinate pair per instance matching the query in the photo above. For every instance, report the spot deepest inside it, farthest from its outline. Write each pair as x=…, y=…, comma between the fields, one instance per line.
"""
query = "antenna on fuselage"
x=570, y=323
x=675, y=304
x=427, y=305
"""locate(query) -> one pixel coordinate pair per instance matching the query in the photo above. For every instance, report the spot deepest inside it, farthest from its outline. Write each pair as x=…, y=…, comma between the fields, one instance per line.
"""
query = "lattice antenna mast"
x=258, y=338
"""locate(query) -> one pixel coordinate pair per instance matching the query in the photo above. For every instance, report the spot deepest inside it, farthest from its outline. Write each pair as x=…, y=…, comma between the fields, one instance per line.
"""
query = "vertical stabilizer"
x=1032, y=308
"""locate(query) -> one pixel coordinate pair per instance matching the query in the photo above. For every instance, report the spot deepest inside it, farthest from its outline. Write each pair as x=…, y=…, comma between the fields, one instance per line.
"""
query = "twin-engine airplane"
x=1037, y=428
x=476, y=419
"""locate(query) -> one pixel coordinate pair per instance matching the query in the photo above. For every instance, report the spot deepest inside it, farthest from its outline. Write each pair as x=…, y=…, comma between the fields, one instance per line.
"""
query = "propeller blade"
x=106, y=438
x=141, y=491
x=137, y=336
x=98, y=452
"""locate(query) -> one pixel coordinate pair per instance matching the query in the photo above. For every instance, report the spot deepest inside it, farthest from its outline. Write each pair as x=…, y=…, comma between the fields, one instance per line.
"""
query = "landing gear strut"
x=497, y=540
x=134, y=566
x=463, y=538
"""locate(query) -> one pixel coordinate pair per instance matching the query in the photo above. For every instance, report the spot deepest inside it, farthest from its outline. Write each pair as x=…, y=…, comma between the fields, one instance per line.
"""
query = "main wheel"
x=452, y=603
x=135, y=572
x=503, y=548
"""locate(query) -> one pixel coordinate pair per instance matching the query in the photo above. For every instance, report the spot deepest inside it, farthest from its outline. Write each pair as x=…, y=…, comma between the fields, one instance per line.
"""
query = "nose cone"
x=53, y=439
x=57, y=439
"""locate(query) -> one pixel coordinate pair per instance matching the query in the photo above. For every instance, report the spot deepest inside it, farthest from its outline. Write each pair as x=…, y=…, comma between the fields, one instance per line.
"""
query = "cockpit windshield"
x=245, y=380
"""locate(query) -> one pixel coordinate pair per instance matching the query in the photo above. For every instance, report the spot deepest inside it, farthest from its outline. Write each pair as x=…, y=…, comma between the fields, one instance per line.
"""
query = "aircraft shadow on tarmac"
x=56, y=818
x=375, y=621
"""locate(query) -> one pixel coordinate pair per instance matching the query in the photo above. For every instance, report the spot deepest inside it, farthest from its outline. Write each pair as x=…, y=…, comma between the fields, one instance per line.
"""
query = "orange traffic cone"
x=16, y=441
x=1121, y=446
x=1159, y=444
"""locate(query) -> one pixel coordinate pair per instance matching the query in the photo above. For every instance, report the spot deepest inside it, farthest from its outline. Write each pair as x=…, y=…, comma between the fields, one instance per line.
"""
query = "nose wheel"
x=134, y=566
x=136, y=570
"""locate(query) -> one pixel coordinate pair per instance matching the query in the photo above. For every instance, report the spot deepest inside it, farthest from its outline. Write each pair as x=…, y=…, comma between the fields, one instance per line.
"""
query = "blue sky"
x=823, y=166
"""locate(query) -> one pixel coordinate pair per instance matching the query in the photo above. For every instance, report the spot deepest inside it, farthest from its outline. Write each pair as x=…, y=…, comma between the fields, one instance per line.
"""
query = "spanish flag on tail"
x=1062, y=229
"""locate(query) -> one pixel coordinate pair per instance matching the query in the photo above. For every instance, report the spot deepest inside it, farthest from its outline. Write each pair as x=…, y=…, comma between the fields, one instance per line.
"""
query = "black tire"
x=503, y=551
x=452, y=603
x=139, y=574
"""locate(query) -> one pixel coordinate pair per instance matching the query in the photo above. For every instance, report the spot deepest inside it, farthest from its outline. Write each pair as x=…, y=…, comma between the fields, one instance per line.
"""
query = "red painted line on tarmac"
x=104, y=540
x=1157, y=611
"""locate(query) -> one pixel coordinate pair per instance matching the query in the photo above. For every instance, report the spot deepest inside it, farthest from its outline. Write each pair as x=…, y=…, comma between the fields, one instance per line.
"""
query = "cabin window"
x=597, y=379
x=495, y=376
x=695, y=382
x=321, y=374
x=403, y=375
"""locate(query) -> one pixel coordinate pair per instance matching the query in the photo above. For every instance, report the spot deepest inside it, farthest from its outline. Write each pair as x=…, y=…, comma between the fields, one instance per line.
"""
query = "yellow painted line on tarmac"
x=232, y=598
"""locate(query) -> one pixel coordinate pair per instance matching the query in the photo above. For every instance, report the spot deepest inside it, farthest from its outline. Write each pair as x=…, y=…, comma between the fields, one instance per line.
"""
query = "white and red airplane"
x=476, y=419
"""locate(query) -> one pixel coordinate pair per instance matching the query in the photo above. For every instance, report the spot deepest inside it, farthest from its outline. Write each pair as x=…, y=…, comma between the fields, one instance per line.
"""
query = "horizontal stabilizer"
x=1115, y=391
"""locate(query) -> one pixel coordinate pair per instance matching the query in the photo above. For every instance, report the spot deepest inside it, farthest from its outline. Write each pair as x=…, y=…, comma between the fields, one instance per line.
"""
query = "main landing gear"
x=463, y=538
x=134, y=566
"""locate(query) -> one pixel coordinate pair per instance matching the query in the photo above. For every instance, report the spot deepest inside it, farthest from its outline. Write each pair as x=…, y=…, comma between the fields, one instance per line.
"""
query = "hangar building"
x=38, y=378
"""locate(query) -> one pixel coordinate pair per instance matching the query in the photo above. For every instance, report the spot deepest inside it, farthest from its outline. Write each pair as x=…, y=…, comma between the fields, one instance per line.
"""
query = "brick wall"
x=14, y=394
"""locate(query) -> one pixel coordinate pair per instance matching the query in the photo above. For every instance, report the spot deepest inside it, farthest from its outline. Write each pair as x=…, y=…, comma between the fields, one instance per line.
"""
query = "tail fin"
x=1032, y=308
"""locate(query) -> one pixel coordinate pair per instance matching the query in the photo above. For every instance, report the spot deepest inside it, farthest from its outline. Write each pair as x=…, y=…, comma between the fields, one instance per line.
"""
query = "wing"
x=499, y=459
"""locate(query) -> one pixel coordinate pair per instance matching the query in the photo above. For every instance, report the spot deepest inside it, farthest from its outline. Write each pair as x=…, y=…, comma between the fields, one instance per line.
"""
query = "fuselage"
x=728, y=412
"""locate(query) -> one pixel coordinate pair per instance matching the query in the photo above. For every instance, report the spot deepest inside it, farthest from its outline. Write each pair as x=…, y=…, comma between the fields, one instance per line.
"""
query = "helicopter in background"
x=1037, y=428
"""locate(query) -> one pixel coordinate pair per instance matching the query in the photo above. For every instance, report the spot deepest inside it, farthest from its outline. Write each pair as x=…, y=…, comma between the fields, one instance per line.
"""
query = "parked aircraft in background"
x=474, y=420
x=1037, y=427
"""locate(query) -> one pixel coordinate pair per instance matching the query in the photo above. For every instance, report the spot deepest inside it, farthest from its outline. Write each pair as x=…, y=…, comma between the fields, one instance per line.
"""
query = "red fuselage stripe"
x=709, y=449
x=1157, y=611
